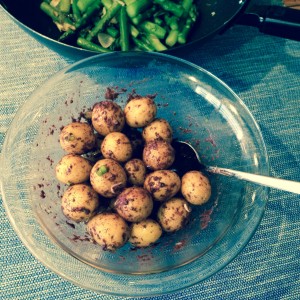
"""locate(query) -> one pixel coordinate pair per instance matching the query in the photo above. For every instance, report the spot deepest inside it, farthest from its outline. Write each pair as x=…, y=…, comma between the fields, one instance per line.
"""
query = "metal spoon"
x=188, y=159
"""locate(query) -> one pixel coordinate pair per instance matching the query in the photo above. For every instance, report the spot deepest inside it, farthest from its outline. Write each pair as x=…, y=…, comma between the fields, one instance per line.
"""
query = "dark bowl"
x=213, y=17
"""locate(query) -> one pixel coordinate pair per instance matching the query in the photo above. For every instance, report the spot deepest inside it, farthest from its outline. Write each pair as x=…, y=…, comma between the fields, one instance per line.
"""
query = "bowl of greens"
x=103, y=26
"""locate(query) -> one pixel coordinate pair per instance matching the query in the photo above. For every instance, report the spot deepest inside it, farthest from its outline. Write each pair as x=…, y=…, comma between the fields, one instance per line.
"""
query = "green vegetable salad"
x=113, y=25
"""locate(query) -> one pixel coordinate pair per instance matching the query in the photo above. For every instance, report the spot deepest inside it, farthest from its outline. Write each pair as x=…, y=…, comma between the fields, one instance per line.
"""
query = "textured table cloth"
x=265, y=72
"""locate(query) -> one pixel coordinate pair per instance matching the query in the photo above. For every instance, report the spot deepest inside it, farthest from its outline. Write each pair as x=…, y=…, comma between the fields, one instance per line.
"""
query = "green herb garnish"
x=102, y=170
x=70, y=137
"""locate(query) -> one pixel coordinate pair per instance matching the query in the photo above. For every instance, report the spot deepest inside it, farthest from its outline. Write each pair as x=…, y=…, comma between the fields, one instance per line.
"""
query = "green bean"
x=91, y=10
x=182, y=36
x=127, y=2
x=76, y=11
x=142, y=45
x=83, y=19
x=171, y=39
x=193, y=13
x=172, y=22
x=84, y=4
x=64, y=6
x=143, y=16
x=55, y=14
x=170, y=6
x=155, y=42
x=114, y=32
x=124, y=29
x=66, y=34
x=107, y=3
x=110, y=13
x=153, y=28
x=186, y=4
x=137, y=7
x=158, y=21
x=85, y=44
x=134, y=31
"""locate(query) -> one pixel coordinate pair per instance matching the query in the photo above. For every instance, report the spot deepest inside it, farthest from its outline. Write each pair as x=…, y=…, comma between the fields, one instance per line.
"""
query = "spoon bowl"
x=187, y=159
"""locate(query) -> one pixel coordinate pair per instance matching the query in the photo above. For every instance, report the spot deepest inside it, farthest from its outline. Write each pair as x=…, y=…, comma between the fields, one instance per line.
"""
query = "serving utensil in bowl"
x=188, y=159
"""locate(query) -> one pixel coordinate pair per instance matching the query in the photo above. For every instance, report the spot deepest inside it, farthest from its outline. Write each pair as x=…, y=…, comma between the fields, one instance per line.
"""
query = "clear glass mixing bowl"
x=201, y=110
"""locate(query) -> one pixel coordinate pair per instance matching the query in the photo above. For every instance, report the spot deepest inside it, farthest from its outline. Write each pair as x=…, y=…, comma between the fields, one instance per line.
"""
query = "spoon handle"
x=282, y=184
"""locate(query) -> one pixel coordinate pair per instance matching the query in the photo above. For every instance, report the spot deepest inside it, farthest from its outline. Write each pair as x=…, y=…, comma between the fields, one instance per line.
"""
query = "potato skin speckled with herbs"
x=109, y=230
x=162, y=184
x=117, y=146
x=72, y=169
x=195, y=187
x=143, y=197
x=107, y=116
x=108, y=178
x=79, y=202
x=134, y=204
x=140, y=112
x=77, y=138
x=158, y=155
x=158, y=129
x=145, y=233
x=173, y=214
x=136, y=171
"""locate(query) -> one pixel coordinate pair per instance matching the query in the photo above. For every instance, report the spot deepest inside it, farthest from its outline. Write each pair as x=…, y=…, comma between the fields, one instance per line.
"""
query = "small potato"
x=79, y=202
x=77, y=138
x=162, y=184
x=195, y=187
x=158, y=155
x=158, y=129
x=72, y=169
x=134, y=204
x=145, y=233
x=173, y=214
x=136, y=171
x=108, y=230
x=107, y=116
x=117, y=146
x=108, y=178
x=140, y=112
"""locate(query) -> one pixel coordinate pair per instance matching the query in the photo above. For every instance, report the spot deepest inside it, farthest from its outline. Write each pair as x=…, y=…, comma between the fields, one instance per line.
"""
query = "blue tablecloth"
x=265, y=72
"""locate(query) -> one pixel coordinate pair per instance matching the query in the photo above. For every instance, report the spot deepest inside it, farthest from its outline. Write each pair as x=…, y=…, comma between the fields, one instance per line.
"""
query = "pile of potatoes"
x=142, y=196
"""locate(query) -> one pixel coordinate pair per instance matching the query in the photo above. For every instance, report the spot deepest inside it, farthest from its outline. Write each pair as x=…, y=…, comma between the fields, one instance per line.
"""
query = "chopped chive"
x=102, y=170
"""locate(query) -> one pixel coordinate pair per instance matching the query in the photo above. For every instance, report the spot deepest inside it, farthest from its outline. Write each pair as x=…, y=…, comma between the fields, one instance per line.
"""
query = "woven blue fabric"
x=265, y=72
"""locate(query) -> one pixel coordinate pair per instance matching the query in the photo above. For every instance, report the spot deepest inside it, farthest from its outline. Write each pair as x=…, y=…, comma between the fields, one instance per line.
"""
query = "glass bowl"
x=201, y=110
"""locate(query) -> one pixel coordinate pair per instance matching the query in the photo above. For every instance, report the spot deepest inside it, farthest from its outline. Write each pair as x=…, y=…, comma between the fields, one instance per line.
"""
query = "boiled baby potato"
x=107, y=116
x=134, y=204
x=173, y=214
x=158, y=155
x=140, y=112
x=162, y=184
x=117, y=146
x=72, y=169
x=108, y=230
x=136, y=171
x=108, y=178
x=195, y=187
x=145, y=233
x=79, y=202
x=77, y=138
x=158, y=129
